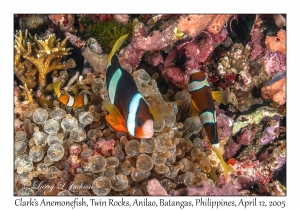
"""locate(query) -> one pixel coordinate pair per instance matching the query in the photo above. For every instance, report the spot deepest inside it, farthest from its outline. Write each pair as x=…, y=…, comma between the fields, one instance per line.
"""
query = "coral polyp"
x=99, y=148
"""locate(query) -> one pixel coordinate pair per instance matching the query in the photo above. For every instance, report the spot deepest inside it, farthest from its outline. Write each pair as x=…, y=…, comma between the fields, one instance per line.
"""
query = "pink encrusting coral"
x=225, y=124
x=175, y=75
x=132, y=54
x=275, y=91
x=277, y=43
x=218, y=23
x=256, y=39
x=121, y=18
x=104, y=147
x=155, y=188
x=76, y=41
x=199, y=53
x=206, y=188
x=64, y=21
x=193, y=25
x=262, y=172
x=274, y=62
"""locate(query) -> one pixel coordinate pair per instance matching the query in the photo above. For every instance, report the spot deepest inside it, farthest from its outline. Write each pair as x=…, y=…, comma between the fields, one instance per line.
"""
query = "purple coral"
x=262, y=172
x=207, y=188
x=154, y=59
x=196, y=54
x=274, y=62
x=231, y=148
x=248, y=134
x=270, y=133
x=256, y=40
x=132, y=54
x=224, y=124
x=75, y=40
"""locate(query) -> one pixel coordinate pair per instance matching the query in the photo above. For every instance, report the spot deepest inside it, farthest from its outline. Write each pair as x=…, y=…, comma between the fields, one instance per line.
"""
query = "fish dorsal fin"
x=114, y=118
x=193, y=111
x=220, y=95
x=116, y=47
x=56, y=88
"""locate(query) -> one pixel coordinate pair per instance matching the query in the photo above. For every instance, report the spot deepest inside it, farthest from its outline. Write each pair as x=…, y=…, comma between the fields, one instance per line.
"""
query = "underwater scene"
x=149, y=104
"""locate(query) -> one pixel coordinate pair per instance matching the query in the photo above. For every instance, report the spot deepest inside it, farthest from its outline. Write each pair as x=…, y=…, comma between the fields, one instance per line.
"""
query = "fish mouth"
x=148, y=130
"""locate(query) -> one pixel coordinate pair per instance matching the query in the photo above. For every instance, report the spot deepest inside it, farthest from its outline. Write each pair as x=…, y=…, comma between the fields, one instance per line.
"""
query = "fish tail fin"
x=56, y=88
x=116, y=47
x=193, y=110
x=220, y=96
x=227, y=168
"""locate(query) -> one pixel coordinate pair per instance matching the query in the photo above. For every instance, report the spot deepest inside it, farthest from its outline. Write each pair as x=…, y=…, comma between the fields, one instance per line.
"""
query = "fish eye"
x=139, y=122
x=191, y=78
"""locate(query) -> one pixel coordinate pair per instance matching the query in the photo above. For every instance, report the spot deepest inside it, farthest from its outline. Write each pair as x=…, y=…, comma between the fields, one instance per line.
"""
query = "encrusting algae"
x=126, y=129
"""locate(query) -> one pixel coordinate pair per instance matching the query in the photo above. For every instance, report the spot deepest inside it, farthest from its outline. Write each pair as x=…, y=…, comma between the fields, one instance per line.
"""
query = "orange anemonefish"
x=68, y=100
x=202, y=104
x=128, y=110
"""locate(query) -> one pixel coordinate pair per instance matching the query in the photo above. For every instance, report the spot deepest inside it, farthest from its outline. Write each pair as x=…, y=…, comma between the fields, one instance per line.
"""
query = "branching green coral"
x=107, y=33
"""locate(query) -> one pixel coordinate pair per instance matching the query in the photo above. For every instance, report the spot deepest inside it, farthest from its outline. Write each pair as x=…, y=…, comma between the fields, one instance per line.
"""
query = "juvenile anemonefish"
x=78, y=100
x=128, y=110
x=68, y=100
x=202, y=104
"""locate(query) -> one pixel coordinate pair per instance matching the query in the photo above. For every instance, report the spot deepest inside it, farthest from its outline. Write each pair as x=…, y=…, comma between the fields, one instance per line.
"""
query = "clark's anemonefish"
x=68, y=100
x=202, y=104
x=128, y=110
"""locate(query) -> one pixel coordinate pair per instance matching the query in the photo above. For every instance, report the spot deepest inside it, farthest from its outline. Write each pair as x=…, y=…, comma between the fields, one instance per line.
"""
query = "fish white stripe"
x=113, y=85
x=197, y=85
x=207, y=117
x=133, y=107
x=70, y=101
x=85, y=99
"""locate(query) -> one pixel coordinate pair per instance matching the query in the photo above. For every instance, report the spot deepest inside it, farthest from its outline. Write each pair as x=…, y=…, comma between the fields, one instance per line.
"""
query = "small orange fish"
x=202, y=104
x=68, y=100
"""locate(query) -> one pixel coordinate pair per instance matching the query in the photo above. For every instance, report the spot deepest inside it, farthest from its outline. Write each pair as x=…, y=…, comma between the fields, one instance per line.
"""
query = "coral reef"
x=46, y=56
x=64, y=21
x=193, y=25
x=277, y=43
x=276, y=91
x=73, y=151
x=33, y=22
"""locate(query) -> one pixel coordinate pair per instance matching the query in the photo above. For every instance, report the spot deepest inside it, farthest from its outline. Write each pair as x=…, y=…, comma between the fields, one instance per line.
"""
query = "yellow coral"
x=46, y=56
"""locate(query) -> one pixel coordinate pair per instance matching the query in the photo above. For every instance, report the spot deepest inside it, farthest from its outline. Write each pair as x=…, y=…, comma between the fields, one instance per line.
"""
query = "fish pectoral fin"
x=193, y=110
x=227, y=168
x=114, y=119
x=220, y=95
x=117, y=124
